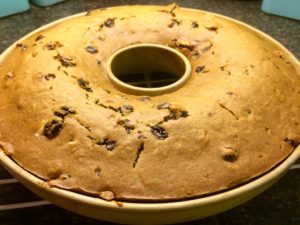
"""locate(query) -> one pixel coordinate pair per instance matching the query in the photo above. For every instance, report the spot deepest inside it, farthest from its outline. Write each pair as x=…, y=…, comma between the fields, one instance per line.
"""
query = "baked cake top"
x=62, y=120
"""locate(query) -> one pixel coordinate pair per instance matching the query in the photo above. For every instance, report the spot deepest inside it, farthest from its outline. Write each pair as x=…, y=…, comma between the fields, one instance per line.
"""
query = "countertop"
x=280, y=204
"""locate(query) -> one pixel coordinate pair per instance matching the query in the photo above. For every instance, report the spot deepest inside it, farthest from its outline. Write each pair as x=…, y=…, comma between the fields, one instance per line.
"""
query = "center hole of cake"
x=148, y=66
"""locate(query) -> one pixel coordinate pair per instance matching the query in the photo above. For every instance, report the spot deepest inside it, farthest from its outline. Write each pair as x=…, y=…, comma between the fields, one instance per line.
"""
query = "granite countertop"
x=280, y=204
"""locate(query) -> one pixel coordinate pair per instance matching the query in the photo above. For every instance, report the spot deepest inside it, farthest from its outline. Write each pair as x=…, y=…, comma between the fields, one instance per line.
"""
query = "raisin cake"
x=62, y=120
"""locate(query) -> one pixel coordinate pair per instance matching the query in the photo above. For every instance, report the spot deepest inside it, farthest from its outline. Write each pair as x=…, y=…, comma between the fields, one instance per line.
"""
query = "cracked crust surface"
x=62, y=120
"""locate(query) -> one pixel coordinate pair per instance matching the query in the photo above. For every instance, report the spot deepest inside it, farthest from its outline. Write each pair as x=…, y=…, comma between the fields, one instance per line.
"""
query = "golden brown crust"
x=236, y=118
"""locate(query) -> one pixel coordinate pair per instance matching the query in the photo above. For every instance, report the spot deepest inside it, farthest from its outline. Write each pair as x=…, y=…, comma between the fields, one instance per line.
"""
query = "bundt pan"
x=158, y=203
